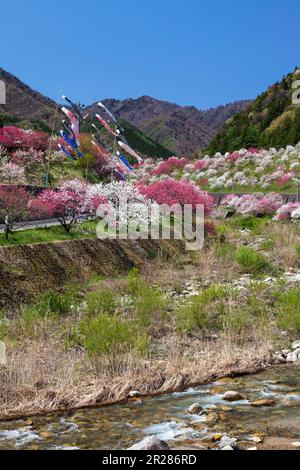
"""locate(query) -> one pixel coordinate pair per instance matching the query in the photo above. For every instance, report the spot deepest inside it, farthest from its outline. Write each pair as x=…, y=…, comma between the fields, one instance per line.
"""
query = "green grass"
x=252, y=262
x=110, y=340
x=101, y=302
x=58, y=303
x=249, y=222
x=149, y=303
x=203, y=310
x=220, y=309
x=49, y=234
x=288, y=310
x=34, y=319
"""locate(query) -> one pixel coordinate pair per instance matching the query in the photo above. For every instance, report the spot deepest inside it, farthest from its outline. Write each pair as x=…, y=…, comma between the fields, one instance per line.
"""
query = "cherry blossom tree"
x=13, y=137
x=257, y=204
x=69, y=204
x=12, y=173
x=13, y=206
x=181, y=192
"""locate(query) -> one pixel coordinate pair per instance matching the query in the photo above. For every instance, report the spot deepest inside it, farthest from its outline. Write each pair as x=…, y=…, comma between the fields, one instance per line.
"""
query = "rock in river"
x=264, y=402
x=292, y=357
x=233, y=396
x=134, y=394
x=296, y=345
x=195, y=409
x=150, y=443
x=227, y=441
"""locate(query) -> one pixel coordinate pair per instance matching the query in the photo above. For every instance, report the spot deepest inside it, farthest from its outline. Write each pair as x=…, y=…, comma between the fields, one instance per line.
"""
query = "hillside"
x=243, y=171
x=24, y=104
x=181, y=129
x=272, y=120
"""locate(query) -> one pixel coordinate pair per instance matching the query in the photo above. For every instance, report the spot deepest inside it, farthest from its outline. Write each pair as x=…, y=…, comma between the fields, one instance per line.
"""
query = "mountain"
x=25, y=104
x=272, y=120
x=216, y=117
x=154, y=127
x=30, y=109
x=181, y=129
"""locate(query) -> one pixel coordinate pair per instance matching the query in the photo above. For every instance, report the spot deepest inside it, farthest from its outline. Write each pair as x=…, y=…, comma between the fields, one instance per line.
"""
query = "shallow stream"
x=120, y=426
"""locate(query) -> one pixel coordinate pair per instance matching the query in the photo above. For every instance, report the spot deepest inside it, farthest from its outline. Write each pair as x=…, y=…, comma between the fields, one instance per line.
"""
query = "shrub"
x=13, y=137
x=101, y=302
x=254, y=204
x=250, y=222
x=149, y=305
x=167, y=166
x=289, y=310
x=57, y=303
x=109, y=340
x=252, y=262
x=12, y=173
x=203, y=311
x=285, y=212
x=149, y=302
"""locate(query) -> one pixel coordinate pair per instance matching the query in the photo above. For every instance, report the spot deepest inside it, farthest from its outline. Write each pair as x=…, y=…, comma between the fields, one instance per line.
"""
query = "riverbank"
x=150, y=379
x=175, y=419
x=177, y=320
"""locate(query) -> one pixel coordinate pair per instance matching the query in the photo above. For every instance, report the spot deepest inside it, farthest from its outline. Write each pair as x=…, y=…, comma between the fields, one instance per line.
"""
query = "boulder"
x=150, y=443
x=233, y=396
x=292, y=357
x=227, y=441
x=296, y=444
x=296, y=345
x=255, y=439
x=264, y=402
x=279, y=359
x=195, y=409
x=134, y=394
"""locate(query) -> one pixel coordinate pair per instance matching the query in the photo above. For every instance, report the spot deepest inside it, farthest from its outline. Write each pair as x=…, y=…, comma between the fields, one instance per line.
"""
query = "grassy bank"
x=49, y=234
x=177, y=323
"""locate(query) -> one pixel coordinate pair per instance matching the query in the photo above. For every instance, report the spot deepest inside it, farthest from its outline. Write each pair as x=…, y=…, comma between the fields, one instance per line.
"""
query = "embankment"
x=28, y=270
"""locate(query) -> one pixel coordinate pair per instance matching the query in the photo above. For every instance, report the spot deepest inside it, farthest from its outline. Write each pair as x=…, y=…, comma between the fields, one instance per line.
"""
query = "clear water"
x=120, y=426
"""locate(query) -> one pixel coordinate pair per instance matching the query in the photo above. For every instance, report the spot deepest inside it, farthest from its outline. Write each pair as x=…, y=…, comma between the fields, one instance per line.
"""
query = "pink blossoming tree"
x=181, y=192
x=13, y=207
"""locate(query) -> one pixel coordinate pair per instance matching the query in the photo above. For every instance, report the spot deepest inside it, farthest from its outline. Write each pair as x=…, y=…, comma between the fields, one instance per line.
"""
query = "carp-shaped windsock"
x=75, y=108
x=74, y=123
x=118, y=172
x=102, y=106
x=102, y=152
x=107, y=126
x=61, y=147
x=124, y=161
x=71, y=143
x=130, y=151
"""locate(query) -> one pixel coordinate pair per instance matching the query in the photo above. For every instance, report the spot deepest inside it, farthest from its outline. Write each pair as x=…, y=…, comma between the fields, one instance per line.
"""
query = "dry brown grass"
x=286, y=237
x=41, y=377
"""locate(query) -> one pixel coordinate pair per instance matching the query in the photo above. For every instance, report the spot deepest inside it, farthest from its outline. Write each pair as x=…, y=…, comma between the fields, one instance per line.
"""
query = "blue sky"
x=191, y=52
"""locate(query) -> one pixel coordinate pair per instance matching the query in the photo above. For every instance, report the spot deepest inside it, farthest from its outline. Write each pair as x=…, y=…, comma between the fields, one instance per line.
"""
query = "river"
x=166, y=417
